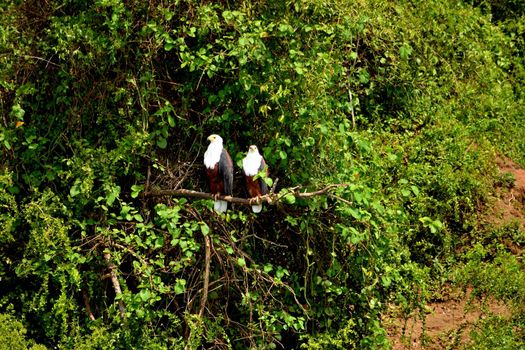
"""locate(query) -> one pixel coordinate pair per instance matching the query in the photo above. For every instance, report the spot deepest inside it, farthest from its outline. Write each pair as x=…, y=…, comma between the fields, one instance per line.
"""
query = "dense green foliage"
x=100, y=99
x=12, y=334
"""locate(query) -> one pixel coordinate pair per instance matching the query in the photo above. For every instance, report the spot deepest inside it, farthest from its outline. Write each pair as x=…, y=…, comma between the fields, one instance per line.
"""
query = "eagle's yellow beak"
x=211, y=138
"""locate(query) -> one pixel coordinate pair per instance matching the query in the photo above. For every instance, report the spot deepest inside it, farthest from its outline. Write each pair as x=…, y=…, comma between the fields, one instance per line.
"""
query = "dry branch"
x=85, y=297
x=271, y=198
x=115, y=282
x=204, y=298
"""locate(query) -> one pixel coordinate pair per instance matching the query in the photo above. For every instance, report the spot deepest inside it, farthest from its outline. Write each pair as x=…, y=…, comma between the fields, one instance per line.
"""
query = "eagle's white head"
x=214, y=138
x=213, y=153
x=253, y=149
x=252, y=161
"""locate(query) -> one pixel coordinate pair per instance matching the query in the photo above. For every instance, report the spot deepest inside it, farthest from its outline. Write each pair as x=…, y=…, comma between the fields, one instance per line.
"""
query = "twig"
x=272, y=190
x=264, y=275
x=270, y=198
x=265, y=240
x=204, y=298
x=131, y=251
x=147, y=179
x=42, y=59
x=186, y=173
x=331, y=195
x=115, y=282
x=199, y=83
x=168, y=82
x=319, y=192
x=146, y=187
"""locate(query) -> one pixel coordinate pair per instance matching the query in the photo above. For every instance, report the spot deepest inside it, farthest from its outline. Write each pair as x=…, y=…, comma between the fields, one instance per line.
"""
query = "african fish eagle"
x=252, y=164
x=219, y=169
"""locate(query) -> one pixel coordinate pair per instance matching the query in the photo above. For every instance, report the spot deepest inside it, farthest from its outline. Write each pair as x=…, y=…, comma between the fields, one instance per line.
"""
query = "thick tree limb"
x=271, y=198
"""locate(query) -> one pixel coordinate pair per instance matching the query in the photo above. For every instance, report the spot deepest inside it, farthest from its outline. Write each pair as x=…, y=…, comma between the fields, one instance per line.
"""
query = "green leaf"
x=267, y=268
x=180, y=286
x=162, y=142
x=75, y=189
x=113, y=193
x=364, y=76
x=405, y=192
x=356, y=236
x=13, y=189
x=135, y=190
x=289, y=198
x=281, y=272
x=405, y=51
x=171, y=120
x=386, y=281
x=241, y=262
x=159, y=242
x=392, y=157
x=18, y=112
x=145, y=295
x=355, y=213
x=205, y=229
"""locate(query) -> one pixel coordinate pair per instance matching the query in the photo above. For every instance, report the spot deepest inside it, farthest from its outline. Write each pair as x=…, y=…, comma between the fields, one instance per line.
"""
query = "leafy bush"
x=497, y=333
x=12, y=335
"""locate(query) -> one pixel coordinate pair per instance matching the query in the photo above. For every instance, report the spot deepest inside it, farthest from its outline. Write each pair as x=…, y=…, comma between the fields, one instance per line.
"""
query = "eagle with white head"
x=252, y=164
x=219, y=169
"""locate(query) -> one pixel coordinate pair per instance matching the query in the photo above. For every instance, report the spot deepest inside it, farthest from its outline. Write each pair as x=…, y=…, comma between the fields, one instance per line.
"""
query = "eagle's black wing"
x=264, y=187
x=226, y=171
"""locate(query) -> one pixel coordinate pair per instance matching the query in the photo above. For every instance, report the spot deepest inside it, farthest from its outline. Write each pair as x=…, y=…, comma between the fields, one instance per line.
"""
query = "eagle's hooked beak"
x=253, y=148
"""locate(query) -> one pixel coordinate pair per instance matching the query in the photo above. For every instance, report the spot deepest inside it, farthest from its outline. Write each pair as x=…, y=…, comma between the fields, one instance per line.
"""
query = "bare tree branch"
x=204, y=298
x=271, y=198
x=42, y=59
x=85, y=296
x=331, y=195
x=115, y=282
x=272, y=190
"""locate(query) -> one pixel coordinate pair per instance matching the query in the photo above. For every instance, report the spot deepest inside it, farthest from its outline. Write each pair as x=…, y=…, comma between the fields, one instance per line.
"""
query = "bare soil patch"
x=508, y=203
x=447, y=323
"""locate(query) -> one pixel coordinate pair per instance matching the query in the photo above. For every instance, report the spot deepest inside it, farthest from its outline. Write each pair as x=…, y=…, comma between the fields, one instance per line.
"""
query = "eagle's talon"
x=255, y=200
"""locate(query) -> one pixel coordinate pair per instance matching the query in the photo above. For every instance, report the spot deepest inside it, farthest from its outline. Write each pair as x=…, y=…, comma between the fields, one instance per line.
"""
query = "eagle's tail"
x=256, y=208
x=220, y=206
